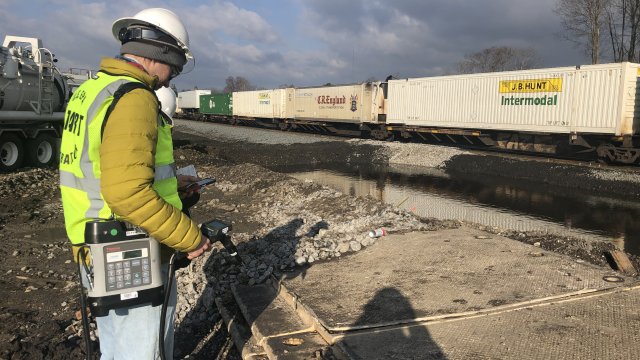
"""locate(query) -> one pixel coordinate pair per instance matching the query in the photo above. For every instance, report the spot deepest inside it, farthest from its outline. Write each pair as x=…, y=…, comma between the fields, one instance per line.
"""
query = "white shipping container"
x=599, y=99
x=261, y=103
x=191, y=99
x=281, y=107
x=349, y=103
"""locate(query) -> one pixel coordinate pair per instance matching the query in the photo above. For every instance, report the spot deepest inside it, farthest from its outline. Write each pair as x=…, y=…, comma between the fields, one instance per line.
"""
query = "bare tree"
x=237, y=83
x=503, y=58
x=623, y=23
x=584, y=21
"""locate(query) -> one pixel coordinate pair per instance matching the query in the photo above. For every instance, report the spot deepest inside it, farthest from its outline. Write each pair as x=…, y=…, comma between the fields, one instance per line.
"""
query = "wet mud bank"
x=621, y=181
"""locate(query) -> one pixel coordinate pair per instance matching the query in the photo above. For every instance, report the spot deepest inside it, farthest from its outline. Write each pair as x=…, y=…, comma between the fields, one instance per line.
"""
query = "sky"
x=303, y=42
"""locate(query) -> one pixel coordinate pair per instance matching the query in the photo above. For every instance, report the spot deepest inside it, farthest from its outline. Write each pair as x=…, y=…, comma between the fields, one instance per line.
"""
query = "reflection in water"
x=489, y=201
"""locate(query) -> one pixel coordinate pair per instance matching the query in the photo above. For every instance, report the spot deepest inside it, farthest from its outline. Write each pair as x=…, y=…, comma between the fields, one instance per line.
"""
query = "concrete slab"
x=276, y=326
x=266, y=313
x=424, y=276
x=601, y=326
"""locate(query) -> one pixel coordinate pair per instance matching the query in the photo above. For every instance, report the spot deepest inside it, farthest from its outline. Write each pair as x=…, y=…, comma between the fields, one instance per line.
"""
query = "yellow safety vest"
x=80, y=155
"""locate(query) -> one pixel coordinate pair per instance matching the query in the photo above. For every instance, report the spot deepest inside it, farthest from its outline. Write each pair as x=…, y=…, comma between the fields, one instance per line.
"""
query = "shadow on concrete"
x=397, y=342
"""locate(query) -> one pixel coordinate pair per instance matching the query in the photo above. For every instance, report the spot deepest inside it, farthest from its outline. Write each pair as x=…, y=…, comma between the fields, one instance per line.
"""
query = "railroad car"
x=216, y=106
x=357, y=103
x=188, y=103
x=544, y=110
x=344, y=109
x=261, y=104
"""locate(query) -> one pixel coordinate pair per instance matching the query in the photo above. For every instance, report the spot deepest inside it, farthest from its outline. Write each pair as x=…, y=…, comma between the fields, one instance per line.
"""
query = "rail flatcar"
x=586, y=108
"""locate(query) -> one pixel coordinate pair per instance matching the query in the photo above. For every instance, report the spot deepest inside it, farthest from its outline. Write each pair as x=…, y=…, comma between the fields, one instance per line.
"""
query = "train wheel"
x=284, y=126
x=391, y=136
x=382, y=134
x=11, y=152
x=606, y=153
x=41, y=151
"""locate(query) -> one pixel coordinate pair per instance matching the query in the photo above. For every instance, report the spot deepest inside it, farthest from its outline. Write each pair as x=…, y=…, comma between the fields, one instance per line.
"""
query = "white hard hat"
x=162, y=19
x=167, y=100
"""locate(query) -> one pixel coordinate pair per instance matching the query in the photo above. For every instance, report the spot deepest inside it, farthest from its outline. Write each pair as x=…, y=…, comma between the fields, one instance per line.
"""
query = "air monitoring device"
x=125, y=267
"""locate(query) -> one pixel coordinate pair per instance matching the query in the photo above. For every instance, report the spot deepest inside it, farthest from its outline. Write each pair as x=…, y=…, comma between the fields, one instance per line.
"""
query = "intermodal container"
x=597, y=99
x=191, y=99
x=261, y=103
x=216, y=104
x=359, y=103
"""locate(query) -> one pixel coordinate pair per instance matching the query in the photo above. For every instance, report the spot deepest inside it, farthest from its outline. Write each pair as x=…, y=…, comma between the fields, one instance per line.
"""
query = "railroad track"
x=582, y=161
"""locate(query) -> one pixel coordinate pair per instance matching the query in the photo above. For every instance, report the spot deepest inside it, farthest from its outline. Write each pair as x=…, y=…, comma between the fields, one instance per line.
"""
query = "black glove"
x=181, y=261
x=189, y=201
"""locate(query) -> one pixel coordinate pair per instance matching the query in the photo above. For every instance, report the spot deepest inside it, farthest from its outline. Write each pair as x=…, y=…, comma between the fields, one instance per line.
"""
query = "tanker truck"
x=33, y=94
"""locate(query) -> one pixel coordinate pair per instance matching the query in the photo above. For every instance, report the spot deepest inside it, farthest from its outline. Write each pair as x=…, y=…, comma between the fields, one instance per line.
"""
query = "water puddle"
x=494, y=202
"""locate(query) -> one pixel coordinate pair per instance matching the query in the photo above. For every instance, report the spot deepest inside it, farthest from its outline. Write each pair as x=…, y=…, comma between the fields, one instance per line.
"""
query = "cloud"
x=227, y=41
x=422, y=37
x=304, y=42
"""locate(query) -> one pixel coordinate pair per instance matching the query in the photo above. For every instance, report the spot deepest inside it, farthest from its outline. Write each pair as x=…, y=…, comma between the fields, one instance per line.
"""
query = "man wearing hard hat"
x=117, y=163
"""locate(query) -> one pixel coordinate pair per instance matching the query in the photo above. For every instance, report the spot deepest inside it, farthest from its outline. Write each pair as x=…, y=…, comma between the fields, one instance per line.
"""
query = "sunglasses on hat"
x=139, y=33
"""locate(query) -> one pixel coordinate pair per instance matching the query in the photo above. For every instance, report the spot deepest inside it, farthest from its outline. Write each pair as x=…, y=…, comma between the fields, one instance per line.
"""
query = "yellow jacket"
x=127, y=164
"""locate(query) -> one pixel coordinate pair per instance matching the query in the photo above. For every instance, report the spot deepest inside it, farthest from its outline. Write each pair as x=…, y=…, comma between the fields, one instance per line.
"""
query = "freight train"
x=590, y=109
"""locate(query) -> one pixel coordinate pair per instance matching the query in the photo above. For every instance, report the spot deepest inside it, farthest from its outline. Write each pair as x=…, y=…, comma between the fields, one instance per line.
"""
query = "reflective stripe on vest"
x=80, y=156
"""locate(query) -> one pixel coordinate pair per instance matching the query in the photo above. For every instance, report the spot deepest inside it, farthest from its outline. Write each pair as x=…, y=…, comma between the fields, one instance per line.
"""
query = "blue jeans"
x=132, y=333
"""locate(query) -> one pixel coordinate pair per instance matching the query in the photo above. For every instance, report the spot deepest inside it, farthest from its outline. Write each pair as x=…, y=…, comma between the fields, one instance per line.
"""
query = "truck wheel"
x=41, y=151
x=11, y=152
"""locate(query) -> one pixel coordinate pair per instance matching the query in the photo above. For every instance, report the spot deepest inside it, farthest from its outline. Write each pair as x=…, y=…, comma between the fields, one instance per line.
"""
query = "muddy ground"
x=39, y=289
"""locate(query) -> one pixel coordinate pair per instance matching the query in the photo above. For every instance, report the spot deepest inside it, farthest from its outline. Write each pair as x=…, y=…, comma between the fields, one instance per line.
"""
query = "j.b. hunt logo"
x=264, y=99
x=530, y=86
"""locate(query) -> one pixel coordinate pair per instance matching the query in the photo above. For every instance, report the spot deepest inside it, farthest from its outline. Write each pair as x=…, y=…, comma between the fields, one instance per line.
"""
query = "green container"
x=216, y=104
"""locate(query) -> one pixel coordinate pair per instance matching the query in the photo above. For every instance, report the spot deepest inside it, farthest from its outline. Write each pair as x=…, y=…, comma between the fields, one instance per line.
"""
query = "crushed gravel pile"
x=616, y=175
x=425, y=155
x=29, y=183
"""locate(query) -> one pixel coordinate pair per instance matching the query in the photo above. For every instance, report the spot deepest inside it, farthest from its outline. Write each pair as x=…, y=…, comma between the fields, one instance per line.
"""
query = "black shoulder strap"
x=122, y=90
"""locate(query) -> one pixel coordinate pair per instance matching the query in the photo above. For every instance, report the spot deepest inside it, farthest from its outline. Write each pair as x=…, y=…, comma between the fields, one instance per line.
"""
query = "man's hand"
x=205, y=245
x=184, y=180
x=184, y=190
